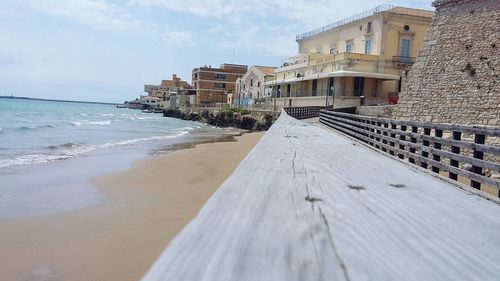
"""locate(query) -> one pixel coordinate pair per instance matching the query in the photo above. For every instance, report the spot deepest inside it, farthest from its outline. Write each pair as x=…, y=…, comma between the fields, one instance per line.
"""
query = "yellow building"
x=361, y=56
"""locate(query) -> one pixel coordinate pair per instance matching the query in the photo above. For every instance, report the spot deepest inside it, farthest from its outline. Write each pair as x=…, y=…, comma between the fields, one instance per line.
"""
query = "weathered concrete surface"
x=309, y=204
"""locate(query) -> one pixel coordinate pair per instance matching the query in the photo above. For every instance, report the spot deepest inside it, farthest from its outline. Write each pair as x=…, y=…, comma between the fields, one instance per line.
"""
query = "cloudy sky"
x=106, y=50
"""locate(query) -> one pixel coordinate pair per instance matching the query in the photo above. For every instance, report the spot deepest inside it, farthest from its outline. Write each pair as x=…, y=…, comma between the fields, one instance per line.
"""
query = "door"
x=314, y=87
x=330, y=86
x=359, y=84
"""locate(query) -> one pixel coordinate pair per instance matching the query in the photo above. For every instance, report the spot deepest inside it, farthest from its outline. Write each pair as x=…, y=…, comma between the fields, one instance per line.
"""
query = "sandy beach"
x=146, y=206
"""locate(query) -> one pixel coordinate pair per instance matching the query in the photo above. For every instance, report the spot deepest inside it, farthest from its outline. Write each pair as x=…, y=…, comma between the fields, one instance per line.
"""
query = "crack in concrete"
x=334, y=247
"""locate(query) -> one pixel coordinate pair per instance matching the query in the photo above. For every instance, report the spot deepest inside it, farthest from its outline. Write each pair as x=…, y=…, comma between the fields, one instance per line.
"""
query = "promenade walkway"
x=310, y=204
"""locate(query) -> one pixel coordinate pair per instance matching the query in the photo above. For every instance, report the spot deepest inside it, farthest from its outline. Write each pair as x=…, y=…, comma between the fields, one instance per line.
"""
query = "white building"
x=251, y=86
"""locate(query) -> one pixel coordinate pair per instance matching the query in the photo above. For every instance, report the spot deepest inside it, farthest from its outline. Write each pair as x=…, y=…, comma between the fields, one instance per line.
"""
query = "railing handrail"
x=362, y=15
x=303, y=112
x=413, y=141
x=474, y=129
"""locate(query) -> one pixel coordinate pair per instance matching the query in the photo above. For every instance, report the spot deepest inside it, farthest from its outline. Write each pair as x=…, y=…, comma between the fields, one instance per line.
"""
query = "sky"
x=106, y=50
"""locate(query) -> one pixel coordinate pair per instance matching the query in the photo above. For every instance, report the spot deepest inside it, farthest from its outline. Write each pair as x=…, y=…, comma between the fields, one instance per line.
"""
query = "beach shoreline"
x=119, y=239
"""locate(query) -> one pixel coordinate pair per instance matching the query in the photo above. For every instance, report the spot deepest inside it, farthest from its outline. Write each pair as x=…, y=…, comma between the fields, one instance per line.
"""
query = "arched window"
x=251, y=82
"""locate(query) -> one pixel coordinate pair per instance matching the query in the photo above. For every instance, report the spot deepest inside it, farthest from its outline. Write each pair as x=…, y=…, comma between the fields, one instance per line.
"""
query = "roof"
x=363, y=15
x=411, y=12
x=267, y=70
x=150, y=98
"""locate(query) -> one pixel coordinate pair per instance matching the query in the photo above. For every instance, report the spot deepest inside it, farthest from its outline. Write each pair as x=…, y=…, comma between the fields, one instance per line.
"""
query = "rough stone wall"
x=456, y=77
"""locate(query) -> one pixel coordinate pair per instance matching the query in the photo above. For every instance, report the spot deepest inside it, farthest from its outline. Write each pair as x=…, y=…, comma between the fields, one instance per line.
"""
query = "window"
x=258, y=84
x=368, y=45
x=251, y=82
x=333, y=50
x=404, y=49
x=220, y=85
x=288, y=89
x=220, y=76
x=314, y=86
x=348, y=46
x=369, y=27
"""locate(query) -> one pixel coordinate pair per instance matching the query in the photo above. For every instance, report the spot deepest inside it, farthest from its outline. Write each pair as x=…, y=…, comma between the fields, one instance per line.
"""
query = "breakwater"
x=242, y=119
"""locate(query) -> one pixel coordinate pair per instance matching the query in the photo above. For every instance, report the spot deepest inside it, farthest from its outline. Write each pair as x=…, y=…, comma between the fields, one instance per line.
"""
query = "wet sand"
x=146, y=206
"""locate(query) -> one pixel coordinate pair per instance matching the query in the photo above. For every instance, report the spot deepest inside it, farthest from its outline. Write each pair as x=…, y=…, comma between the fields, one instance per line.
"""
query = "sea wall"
x=456, y=75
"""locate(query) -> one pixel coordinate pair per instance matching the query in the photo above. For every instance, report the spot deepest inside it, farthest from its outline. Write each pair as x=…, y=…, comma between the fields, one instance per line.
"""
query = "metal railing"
x=403, y=60
x=459, y=150
x=376, y=10
x=303, y=112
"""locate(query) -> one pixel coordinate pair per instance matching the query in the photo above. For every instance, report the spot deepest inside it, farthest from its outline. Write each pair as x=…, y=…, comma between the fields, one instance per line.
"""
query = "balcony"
x=400, y=61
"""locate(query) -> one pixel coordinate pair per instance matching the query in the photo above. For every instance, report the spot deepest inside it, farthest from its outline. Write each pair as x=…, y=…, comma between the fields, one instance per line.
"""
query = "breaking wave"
x=71, y=150
x=87, y=122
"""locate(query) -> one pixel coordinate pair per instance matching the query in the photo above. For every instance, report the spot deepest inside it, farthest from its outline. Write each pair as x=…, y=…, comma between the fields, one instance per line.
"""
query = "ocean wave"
x=64, y=146
x=87, y=122
x=71, y=150
x=35, y=127
x=31, y=159
x=148, y=118
x=102, y=123
x=107, y=114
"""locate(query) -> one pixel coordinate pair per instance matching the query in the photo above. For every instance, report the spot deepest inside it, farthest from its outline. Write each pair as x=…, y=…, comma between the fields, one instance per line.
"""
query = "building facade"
x=358, y=60
x=251, y=87
x=167, y=88
x=213, y=85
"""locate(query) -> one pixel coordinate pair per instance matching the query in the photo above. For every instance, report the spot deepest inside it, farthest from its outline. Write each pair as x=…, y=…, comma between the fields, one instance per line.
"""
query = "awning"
x=343, y=73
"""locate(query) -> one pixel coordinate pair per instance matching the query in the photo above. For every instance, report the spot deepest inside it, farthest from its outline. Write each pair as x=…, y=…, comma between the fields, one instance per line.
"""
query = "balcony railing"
x=376, y=10
x=403, y=60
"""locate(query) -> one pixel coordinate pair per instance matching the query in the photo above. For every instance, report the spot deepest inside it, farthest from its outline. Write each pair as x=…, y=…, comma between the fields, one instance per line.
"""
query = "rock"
x=495, y=176
x=248, y=122
x=467, y=167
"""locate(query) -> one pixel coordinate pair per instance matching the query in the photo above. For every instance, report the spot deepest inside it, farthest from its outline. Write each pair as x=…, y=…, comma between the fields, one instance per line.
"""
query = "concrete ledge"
x=310, y=204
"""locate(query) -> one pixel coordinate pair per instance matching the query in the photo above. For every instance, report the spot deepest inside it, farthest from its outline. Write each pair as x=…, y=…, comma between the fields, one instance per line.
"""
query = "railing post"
x=401, y=146
x=455, y=149
x=425, y=142
x=478, y=139
x=372, y=132
x=413, y=140
x=393, y=135
x=385, y=134
x=379, y=124
x=437, y=145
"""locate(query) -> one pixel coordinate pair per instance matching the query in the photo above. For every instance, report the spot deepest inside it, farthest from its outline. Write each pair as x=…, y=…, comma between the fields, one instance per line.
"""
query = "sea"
x=50, y=150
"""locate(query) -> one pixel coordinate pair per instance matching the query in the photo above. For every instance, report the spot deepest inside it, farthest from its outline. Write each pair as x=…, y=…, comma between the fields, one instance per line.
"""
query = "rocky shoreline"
x=241, y=119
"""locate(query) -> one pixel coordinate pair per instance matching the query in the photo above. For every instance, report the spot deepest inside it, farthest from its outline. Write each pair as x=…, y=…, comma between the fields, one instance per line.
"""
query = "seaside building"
x=166, y=94
x=167, y=88
x=250, y=87
x=353, y=61
x=213, y=85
